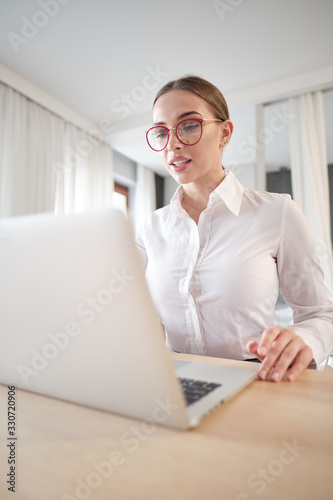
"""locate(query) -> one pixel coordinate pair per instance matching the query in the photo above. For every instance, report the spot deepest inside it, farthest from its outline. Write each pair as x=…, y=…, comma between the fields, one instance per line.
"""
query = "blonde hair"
x=202, y=88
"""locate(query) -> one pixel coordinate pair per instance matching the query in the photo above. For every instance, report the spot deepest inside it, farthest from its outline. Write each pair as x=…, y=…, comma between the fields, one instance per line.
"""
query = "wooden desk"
x=272, y=441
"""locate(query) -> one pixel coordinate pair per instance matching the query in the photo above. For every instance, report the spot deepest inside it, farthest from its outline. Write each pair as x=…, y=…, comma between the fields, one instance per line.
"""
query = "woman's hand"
x=282, y=352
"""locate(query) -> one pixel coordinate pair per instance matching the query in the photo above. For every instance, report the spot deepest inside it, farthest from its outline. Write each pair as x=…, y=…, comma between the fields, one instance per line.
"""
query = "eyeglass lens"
x=188, y=132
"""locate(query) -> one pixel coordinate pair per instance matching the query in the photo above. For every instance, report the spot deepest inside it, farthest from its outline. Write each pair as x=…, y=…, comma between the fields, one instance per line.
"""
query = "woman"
x=218, y=254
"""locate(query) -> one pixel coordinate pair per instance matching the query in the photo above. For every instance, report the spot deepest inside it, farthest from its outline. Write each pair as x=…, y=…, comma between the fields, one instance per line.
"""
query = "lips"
x=179, y=163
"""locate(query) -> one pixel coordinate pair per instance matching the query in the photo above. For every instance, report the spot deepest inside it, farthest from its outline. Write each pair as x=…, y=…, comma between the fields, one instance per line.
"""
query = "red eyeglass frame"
x=200, y=120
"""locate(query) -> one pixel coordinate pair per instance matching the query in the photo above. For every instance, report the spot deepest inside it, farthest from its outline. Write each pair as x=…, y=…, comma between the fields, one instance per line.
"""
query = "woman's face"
x=202, y=161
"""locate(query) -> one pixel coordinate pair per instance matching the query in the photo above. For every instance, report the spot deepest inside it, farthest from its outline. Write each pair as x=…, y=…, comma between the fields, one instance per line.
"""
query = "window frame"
x=122, y=189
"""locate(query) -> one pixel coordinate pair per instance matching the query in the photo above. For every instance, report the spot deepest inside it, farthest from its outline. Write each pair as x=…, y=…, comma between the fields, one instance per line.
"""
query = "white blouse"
x=215, y=284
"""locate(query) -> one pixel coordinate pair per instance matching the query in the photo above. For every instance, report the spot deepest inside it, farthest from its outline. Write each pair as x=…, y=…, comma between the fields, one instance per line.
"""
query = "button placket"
x=190, y=262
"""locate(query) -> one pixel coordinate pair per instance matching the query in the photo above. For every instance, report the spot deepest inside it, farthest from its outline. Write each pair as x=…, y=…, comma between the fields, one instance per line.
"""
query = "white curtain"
x=309, y=172
x=84, y=173
x=30, y=139
x=145, y=195
x=48, y=164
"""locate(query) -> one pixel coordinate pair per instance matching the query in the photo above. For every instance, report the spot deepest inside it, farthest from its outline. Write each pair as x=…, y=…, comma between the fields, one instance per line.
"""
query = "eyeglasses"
x=188, y=132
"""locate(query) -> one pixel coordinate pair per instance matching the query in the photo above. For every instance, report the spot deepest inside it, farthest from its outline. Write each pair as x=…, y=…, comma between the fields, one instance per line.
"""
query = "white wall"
x=240, y=154
x=246, y=174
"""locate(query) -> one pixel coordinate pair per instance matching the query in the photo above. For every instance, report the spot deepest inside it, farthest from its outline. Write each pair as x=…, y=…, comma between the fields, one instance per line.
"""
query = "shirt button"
x=196, y=340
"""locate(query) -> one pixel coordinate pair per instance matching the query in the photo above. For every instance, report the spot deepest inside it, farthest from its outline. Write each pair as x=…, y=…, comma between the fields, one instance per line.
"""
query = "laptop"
x=78, y=323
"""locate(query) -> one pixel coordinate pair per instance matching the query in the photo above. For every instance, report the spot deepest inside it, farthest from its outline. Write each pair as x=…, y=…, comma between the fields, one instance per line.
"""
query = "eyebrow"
x=180, y=117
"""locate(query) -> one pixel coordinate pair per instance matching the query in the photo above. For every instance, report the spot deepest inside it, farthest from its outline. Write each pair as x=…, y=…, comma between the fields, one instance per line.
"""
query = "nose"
x=174, y=142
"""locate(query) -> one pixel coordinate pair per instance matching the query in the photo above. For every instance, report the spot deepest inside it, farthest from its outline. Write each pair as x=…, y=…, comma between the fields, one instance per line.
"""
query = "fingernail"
x=262, y=374
x=276, y=376
x=291, y=377
x=262, y=351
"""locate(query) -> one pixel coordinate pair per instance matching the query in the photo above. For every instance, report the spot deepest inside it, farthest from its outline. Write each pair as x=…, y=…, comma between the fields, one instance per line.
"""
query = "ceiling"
x=106, y=59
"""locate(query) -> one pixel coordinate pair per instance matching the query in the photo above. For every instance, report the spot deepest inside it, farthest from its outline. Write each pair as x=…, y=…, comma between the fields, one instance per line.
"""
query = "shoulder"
x=264, y=198
x=278, y=213
x=269, y=206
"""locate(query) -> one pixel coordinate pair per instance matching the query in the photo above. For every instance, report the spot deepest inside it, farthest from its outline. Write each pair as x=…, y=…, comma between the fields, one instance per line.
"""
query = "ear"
x=227, y=128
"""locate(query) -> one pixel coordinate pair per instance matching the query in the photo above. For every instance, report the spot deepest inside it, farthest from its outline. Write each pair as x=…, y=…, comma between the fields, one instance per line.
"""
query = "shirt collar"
x=230, y=191
x=176, y=202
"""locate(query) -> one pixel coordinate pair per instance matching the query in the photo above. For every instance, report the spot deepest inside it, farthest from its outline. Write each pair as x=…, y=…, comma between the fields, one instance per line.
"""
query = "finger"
x=287, y=355
x=252, y=347
x=274, y=356
x=301, y=363
x=268, y=337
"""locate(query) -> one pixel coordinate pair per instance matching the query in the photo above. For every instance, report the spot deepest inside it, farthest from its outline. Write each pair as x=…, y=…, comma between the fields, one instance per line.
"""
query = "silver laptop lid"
x=76, y=318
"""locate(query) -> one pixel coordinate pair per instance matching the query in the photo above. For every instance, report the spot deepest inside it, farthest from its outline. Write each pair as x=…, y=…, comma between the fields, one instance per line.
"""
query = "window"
x=120, y=197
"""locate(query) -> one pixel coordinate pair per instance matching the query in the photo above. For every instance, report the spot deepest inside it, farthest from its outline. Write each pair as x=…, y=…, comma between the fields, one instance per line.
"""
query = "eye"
x=189, y=127
x=159, y=133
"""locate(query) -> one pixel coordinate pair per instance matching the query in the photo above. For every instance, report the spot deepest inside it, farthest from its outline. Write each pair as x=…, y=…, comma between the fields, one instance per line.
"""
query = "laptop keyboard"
x=196, y=389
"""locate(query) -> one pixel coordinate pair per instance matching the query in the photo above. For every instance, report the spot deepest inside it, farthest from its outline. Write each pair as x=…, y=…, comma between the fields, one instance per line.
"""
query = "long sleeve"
x=215, y=284
x=302, y=283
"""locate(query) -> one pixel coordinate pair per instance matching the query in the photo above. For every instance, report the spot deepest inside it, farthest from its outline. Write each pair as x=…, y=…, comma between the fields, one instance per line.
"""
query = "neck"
x=196, y=194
